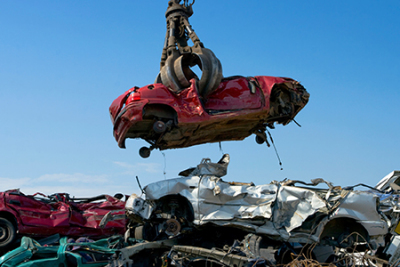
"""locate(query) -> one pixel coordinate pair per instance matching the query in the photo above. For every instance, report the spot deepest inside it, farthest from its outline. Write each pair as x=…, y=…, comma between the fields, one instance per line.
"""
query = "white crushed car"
x=288, y=211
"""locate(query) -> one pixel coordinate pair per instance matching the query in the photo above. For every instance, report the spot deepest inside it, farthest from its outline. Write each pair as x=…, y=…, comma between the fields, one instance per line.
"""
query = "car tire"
x=159, y=127
x=7, y=233
x=139, y=232
x=260, y=140
x=144, y=152
x=145, y=232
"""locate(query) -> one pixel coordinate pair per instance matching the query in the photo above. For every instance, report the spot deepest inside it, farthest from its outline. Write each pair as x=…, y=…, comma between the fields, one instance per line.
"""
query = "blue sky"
x=62, y=63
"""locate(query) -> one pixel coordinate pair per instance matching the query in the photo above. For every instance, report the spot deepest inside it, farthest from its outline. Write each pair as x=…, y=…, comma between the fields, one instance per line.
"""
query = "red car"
x=40, y=216
x=239, y=107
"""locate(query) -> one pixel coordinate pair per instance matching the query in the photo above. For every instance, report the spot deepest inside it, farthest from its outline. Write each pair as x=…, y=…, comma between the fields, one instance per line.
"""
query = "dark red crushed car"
x=239, y=107
x=39, y=215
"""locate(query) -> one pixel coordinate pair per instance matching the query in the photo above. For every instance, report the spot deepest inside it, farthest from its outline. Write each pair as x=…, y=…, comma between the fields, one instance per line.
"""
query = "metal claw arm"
x=178, y=57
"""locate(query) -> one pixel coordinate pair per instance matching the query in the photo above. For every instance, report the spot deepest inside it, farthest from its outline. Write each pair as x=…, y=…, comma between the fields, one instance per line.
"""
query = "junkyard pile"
x=199, y=219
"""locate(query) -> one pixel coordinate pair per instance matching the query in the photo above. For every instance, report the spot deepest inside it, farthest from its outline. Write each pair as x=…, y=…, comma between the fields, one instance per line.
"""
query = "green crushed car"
x=31, y=253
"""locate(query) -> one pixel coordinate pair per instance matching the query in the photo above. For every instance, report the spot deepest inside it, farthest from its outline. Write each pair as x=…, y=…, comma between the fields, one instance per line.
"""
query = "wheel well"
x=183, y=205
x=340, y=227
x=281, y=106
x=161, y=111
x=9, y=216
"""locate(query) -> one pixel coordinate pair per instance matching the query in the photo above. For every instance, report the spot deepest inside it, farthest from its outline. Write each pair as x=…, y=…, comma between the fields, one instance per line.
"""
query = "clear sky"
x=62, y=63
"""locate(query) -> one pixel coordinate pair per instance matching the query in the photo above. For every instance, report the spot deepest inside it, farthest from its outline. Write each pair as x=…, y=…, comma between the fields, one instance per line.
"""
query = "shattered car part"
x=390, y=183
x=142, y=253
x=40, y=215
x=171, y=253
x=224, y=258
x=107, y=252
x=393, y=251
x=279, y=210
x=389, y=203
x=178, y=57
x=239, y=107
x=390, y=206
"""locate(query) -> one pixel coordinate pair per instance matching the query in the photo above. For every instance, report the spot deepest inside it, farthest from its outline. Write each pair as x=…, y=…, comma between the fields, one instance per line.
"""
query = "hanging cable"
x=140, y=186
x=220, y=148
x=296, y=122
x=165, y=166
x=276, y=151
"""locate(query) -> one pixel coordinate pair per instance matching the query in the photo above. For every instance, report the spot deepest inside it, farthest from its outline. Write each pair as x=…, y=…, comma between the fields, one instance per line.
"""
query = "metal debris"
x=239, y=224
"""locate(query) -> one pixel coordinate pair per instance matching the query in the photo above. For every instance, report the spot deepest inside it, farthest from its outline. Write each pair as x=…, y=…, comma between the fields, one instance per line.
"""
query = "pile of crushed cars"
x=40, y=216
x=199, y=219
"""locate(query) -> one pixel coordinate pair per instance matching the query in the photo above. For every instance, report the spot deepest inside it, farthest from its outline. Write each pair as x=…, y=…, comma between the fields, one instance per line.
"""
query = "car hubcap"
x=173, y=227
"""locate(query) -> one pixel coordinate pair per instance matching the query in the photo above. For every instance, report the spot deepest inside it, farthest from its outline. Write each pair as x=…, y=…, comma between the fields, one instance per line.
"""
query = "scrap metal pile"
x=199, y=219
x=40, y=216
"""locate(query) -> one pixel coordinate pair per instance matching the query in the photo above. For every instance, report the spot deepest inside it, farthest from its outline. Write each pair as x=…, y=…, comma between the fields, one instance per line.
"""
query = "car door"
x=38, y=212
x=236, y=94
x=221, y=201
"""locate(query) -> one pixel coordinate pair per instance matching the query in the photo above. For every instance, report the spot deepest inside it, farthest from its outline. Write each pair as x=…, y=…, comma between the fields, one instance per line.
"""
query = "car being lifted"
x=237, y=108
x=181, y=109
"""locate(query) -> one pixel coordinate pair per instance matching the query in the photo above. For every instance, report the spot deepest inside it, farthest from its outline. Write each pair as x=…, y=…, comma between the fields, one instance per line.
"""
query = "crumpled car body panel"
x=390, y=180
x=237, y=108
x=31, y=253
x=362, y=206
x=390, y=206
x=280, y=210
x=41, y=216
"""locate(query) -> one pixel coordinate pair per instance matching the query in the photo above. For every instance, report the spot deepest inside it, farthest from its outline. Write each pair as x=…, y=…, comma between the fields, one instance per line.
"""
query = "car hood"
x=389, y=182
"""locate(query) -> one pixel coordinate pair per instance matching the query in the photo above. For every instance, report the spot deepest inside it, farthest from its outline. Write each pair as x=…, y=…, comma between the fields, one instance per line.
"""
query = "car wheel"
x=145, y=232
x=260, y=140
x=139, y=232
x=144, y=152
x=7, y=232
x=159, y=127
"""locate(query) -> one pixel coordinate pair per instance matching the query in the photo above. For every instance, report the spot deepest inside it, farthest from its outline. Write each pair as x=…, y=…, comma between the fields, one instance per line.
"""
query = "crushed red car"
x=239, y=107
x=39, y=215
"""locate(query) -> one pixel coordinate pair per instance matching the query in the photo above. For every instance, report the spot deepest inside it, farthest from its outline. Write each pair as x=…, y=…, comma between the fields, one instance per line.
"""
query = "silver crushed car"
x=288, y=211
x=390, y=207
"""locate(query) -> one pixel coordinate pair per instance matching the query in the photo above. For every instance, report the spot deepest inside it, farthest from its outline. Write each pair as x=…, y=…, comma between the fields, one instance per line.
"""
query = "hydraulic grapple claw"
x=178, y=57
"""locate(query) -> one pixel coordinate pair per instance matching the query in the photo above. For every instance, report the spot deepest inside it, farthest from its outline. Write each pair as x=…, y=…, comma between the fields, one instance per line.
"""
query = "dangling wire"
x=165, y=166
x=276, y=151
x=140, y=186
x=220, y=148
x=296, y=122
